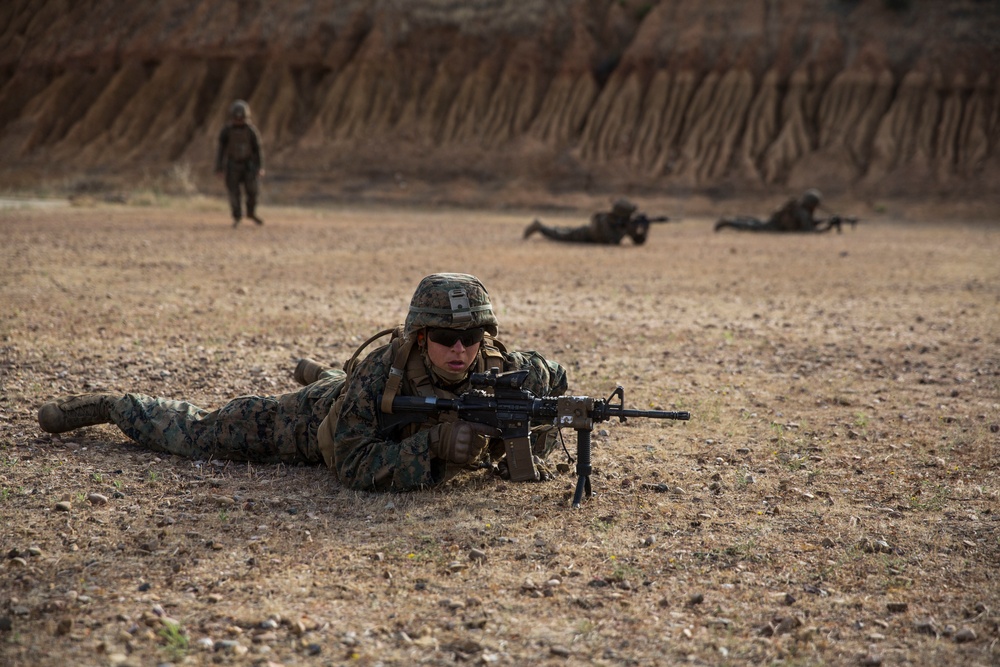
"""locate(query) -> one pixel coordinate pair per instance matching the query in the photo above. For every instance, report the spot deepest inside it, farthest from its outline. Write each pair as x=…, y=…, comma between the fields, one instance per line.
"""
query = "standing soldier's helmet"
x=450, y=301
x=623, y=207
x=810, y=198
x=240, y=110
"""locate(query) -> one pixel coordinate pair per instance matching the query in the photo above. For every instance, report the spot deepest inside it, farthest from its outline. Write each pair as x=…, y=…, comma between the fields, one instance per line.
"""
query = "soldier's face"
x=454, y=359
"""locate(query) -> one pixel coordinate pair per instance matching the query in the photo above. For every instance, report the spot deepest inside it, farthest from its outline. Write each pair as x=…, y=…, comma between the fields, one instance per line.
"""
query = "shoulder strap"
x=353, y=361
x=396, y=374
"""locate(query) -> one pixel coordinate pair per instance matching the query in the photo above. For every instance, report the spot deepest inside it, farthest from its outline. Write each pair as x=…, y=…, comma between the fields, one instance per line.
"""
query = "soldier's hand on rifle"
x=460, y=442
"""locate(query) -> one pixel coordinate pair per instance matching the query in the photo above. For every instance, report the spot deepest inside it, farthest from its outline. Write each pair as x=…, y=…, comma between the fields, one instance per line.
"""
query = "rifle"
x=836, y=221
x=643, y=219
x=510, y=409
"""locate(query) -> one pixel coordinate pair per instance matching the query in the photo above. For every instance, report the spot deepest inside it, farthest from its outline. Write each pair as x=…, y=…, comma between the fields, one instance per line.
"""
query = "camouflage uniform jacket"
x=608, y=228
x=239, y=143
x=792, y=217
x=365, y=458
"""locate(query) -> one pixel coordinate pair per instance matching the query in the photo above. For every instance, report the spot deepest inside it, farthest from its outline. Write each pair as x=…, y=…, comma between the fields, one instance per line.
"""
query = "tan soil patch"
x=834, y=498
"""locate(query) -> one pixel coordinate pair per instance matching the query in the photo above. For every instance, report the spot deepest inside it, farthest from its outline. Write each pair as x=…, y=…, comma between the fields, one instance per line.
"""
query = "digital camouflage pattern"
x=259, y=429
x=450, y=301
x=284, y=428
x=365, y=458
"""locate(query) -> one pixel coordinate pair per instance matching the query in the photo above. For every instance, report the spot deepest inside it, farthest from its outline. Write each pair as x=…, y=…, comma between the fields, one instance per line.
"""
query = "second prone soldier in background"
x=608, y=228
x=240, y=159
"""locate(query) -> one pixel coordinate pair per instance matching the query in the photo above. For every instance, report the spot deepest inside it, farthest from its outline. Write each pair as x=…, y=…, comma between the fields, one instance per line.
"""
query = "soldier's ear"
x=421, y=339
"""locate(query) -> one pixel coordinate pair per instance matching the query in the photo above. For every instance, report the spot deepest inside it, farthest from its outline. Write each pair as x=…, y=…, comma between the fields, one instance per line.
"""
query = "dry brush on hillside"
x=851, y=95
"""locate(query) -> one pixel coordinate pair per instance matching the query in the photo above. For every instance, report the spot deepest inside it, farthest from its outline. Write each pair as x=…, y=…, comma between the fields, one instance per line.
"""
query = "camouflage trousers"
x=570, y=234
x=258, y=429
x=245, y=173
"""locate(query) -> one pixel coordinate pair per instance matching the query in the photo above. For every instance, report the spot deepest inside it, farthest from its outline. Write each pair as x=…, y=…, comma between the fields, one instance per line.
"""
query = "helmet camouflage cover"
x=623, y=207
x=450, y=301
x=811, y=197
x=240, y=110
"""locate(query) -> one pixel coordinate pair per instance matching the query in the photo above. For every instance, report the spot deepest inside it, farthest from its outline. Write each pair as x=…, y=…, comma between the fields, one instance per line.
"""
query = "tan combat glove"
x=460, y=442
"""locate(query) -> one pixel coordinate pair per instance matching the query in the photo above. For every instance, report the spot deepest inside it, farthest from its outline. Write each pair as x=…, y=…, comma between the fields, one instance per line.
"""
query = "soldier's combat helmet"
x=240, y=110
x=450, y=301
x=810, y=198
x=623, y=207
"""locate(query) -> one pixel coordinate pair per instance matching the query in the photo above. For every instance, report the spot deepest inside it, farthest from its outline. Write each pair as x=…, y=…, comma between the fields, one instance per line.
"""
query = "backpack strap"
x=396, y=374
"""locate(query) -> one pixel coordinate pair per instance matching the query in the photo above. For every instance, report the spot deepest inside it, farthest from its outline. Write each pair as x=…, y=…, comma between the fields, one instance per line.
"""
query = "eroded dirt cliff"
x=861, y=96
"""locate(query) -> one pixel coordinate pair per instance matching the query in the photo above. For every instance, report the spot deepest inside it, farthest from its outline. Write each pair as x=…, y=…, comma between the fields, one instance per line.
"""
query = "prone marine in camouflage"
x=334, y=418
x=796, y=215
x=241, y=159
x=608, y=228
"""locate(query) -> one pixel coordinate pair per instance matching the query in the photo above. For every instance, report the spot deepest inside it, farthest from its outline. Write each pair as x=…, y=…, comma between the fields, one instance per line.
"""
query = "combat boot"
x=535, y=226
x=253, y=216
x=236, y=221
x=307, y=371
x=75, y=412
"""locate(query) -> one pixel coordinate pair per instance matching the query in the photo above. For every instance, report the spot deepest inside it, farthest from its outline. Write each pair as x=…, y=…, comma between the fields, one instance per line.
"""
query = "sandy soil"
x=833, y=500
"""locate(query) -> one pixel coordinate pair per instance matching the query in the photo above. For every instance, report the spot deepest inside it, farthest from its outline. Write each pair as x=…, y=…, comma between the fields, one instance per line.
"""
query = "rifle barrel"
x=651, y=414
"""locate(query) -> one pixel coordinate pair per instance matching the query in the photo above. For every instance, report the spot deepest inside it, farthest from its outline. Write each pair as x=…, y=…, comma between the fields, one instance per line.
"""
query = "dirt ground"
x=834, y=499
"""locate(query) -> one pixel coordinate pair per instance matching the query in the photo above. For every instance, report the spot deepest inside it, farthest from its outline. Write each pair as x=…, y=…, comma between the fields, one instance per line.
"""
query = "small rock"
x=477, y=554
x=649, y=541
x=787, y=624
x=65, y=627
x=64, y=506
x=965, y=635
x=870, y=660
x=897, y=607
x=696, y=598
x=561, y=651
x=97, y=499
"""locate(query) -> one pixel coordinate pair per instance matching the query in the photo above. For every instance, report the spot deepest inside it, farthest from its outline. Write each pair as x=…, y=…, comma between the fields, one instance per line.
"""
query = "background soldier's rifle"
x=638, y=226
x=643, y=219
x=836, y=221
x=499, y=400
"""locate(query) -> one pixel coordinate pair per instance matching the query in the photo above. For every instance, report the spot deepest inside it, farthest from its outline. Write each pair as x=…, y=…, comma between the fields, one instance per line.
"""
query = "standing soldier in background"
x=241, y=159
x=607, y=228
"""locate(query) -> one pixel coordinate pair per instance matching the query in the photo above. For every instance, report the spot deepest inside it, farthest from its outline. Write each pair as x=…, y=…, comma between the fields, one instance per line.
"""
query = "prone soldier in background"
x=241, y=160
x=796, y=215
x=607, y=228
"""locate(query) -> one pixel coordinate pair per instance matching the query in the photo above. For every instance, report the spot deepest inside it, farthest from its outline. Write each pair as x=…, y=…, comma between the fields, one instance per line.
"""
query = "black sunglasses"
x=448, y=337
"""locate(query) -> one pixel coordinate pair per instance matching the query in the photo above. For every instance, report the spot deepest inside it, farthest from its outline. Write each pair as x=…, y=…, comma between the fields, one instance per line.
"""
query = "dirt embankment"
x=865, y=96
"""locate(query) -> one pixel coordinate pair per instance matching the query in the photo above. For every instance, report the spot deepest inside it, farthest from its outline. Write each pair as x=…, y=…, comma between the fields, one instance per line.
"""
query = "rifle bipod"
x=583, y=468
